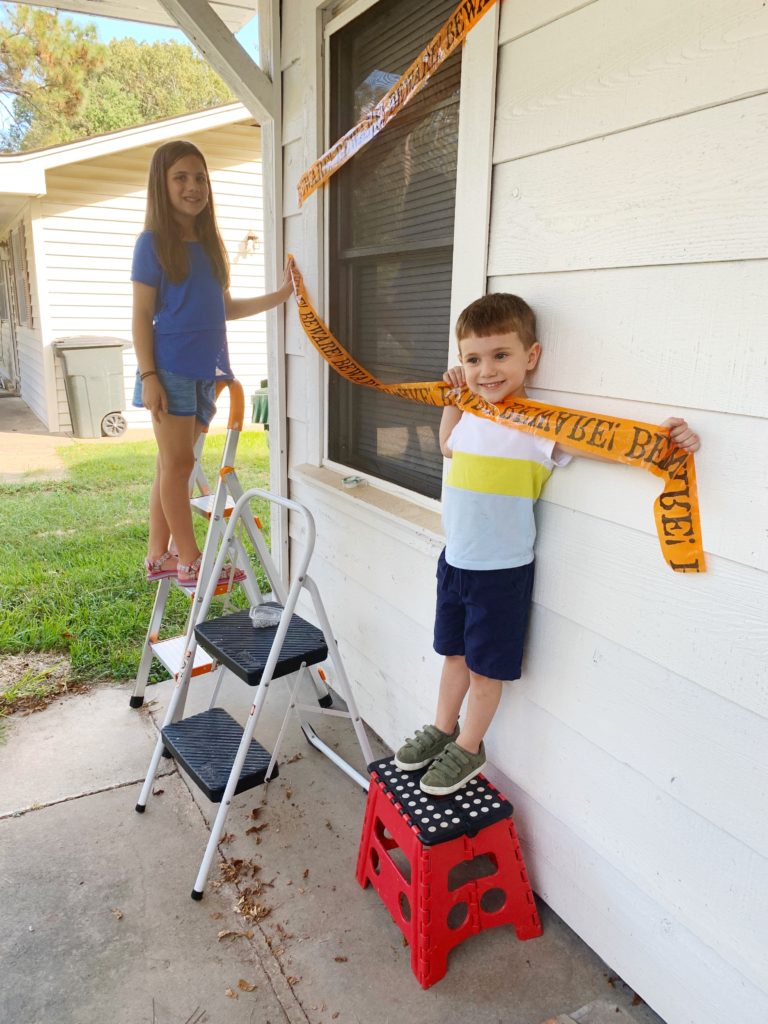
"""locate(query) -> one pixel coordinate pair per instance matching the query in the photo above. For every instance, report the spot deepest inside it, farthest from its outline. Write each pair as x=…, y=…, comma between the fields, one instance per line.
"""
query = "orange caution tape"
x=451, y=35
x=676, y=509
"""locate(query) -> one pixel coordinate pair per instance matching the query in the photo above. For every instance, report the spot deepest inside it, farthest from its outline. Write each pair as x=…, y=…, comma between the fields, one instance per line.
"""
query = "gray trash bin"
x=93, y=377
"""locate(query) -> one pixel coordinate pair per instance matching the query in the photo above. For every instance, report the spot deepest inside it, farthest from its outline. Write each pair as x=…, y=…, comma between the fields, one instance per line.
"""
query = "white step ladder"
x=221, y=758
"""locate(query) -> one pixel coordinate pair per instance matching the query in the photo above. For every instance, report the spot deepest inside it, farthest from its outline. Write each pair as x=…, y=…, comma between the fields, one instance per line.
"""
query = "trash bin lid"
x=89, y=341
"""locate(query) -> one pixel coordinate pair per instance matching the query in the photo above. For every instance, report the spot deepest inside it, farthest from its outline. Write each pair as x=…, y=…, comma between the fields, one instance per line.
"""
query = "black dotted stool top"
x=233, y=640
x=440, y=818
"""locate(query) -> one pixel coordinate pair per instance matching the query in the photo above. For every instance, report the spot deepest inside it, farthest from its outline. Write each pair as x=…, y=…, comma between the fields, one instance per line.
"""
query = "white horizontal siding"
x=629, y=207
x=657, y=723
x=93, y=213
x=620, y=213
x=665, y=333
x=732, y=478
x=668, y=192
x=32, y=371
x=608, y=69
x=695, y=987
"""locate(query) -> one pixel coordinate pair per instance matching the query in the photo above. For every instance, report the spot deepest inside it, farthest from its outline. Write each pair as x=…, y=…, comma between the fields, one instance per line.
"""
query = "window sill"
x=403, y=519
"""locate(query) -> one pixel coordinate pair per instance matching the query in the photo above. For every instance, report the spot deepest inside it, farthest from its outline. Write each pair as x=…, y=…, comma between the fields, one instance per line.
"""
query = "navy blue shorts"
x=186, y=396
x=483, y=614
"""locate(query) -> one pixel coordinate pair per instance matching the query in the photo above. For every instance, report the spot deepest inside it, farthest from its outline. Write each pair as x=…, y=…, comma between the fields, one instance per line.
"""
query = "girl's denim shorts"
x=186, y=396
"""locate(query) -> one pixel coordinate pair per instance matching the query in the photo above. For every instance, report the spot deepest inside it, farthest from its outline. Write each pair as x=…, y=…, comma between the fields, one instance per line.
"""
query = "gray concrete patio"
x=98, y=924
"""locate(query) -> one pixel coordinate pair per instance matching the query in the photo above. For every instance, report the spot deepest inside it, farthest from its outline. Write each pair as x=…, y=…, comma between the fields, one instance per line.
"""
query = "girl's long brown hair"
x=169, y=246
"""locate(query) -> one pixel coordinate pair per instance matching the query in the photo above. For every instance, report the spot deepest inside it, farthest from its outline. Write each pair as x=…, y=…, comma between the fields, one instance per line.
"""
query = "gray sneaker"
x=452, y=770
x=424, y=747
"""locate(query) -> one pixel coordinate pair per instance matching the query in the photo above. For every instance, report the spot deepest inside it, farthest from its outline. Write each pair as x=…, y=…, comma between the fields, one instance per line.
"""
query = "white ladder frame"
x=203, y=599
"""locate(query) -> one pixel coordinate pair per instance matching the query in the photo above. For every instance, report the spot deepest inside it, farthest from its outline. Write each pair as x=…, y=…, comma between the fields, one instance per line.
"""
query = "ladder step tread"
x=203, y=504
x=171, y=652
x=205, y=745
x=233, y=640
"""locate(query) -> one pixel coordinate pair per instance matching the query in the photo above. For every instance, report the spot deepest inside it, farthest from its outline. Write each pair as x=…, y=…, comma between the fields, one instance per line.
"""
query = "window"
x=21, y=277
x=391, y=243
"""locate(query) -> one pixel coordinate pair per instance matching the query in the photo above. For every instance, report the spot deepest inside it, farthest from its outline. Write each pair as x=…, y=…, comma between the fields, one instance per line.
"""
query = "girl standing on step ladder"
x=181, y=303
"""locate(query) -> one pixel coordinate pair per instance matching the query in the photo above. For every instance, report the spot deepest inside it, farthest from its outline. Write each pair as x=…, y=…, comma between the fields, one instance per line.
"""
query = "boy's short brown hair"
x=498, y=313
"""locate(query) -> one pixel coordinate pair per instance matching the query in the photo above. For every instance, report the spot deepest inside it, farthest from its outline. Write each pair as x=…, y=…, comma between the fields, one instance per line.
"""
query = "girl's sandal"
x=155, y=568
x=188, y=575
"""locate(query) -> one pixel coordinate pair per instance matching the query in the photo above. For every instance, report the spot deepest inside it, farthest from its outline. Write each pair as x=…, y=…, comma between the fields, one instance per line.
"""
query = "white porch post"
x=272, y=171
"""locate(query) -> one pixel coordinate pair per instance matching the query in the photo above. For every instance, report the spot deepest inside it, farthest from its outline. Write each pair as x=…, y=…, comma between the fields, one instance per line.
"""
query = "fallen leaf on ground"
x=250, y=909
x=157, y=792
x=230, y=993
x=255, y=812
x=306, y=873
x=229, y=933
x=118, y=913
x=245, y=986
x=293, y=981
x=294, y=759
x=340, y=959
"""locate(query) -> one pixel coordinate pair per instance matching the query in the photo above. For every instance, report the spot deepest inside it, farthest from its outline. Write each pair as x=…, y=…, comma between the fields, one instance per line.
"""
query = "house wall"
x=91, y=216
x=628, y=205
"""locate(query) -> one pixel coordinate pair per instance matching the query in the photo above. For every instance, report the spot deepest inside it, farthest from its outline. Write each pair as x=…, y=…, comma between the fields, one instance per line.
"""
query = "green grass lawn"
x=72, y=551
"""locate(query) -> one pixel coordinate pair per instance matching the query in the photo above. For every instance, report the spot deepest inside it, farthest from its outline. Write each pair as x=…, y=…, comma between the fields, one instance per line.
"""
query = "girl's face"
x=187, y=184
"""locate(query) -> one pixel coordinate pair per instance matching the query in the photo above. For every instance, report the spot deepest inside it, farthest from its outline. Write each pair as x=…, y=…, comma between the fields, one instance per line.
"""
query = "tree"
x=45, y=64
x=132, y=83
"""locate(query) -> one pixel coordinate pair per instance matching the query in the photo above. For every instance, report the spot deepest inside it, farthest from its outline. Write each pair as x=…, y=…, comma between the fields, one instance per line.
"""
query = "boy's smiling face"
x=495, y=367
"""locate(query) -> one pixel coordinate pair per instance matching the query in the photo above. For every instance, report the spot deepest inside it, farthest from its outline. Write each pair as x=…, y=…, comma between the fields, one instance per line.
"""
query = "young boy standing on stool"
x=485, y=573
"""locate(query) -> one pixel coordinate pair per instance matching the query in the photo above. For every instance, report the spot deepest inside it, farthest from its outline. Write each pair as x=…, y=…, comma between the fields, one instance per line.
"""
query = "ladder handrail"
x=237, y=512
x=236, y=402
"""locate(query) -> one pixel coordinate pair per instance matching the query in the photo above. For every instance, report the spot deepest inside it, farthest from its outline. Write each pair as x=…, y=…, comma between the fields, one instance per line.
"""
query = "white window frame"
x=473, y=189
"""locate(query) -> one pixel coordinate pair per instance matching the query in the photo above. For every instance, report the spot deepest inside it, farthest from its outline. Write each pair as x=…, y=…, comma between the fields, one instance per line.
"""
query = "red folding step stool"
x=414, y=850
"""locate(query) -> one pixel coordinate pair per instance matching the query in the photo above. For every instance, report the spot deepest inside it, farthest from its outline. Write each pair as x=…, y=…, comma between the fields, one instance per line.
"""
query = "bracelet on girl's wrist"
x=147, y=373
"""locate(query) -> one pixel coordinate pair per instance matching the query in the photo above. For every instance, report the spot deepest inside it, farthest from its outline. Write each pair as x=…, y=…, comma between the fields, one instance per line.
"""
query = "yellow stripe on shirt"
x=491, y=474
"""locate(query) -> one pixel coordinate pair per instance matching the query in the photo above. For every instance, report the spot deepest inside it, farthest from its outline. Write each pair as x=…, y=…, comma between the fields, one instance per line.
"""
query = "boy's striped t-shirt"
x=493, y=480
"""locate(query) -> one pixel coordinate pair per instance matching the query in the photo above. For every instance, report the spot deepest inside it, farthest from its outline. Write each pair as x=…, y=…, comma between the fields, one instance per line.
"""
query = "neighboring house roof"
x=23, y=174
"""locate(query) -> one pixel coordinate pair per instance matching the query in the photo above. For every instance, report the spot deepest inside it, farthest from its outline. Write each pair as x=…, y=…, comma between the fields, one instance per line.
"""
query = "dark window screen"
x=391, y=243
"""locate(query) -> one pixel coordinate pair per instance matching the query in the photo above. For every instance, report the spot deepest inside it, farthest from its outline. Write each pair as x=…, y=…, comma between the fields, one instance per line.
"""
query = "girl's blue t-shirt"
x=190, y=322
